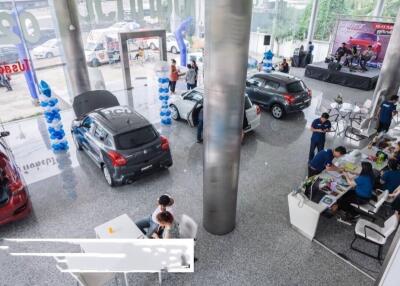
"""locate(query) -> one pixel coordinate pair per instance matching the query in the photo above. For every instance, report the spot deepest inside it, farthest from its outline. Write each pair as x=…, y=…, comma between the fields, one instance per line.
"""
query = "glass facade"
x=28, y=35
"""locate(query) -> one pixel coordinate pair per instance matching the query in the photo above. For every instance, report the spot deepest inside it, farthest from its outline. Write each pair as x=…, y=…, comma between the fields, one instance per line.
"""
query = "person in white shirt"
x=165, y=203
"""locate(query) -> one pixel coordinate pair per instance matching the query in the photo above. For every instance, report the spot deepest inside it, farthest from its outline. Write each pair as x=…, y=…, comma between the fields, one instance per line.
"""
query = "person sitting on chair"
x=341, y=51
x=169, y=228
x=140, y=54
x=354, y=55
x=390, y=179
x=366, y=56
x=361, y=192
x=284, y=66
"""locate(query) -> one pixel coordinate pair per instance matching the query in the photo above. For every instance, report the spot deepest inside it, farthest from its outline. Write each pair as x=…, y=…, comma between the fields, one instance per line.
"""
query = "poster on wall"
x=362, y=34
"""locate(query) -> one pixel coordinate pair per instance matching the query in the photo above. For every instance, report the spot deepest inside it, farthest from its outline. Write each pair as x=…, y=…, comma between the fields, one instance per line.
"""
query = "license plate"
x=146, y=168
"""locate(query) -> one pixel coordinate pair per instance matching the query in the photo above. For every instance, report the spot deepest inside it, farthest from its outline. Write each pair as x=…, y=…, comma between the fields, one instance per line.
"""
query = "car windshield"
x=297, y=86
x=90, y=46
x=135, y=138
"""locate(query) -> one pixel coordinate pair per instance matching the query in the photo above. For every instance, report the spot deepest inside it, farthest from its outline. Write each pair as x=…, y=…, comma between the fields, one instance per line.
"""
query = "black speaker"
x=267, y=40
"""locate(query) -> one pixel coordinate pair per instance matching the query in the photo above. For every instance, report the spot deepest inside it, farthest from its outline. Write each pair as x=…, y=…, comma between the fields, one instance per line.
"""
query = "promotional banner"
x=362, y=34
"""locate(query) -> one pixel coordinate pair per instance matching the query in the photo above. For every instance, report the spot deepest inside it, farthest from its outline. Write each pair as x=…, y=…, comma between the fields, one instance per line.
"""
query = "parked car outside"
x=121, y=142
x=172, y=44
x=278, y=92
x=364, y=40
x=187, y=106
x=8, y=54
x=15, y=203
x=48, y=49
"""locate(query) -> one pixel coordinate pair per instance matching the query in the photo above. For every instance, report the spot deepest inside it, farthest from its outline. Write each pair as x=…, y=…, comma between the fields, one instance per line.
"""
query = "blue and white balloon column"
x=267, y=63
x=53, y=118
x=162, y=72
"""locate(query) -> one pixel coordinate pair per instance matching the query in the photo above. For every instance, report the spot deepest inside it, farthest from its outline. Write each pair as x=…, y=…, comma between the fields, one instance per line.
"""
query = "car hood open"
x=92, y=100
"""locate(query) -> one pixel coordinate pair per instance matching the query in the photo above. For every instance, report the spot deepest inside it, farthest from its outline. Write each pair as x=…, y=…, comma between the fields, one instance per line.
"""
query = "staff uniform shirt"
x=386, y=113
x=391, y=179
x=364, y=187
x=317, y=124
x=322, y=159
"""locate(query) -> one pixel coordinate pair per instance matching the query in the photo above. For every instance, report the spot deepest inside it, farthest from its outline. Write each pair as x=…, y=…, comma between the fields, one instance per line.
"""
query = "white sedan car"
x=172, y=44
x=187, y=106
x=48, y=49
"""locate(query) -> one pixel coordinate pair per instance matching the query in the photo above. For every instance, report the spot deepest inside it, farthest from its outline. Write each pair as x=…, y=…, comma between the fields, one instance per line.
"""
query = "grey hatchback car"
x=119, y=140
x=278, y=92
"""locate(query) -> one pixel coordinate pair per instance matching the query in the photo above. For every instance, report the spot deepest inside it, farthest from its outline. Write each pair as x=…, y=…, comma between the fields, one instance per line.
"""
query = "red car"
x=14, y=197
x=364, y=40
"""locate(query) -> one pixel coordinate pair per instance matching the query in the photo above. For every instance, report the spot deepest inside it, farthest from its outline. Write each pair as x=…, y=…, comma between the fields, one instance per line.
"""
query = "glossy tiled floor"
x=70, y=198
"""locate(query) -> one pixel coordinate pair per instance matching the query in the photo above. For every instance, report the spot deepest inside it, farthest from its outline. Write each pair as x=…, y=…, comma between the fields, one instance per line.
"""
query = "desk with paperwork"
x=304, y=213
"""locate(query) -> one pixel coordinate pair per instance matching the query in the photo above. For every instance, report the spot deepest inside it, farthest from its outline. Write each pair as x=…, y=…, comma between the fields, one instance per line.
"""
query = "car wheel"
x=49, y=55
x=174, y=50
x=152, y=46
x=107, y=176
x=174, y=112
x=277, y=111
x=78, y=146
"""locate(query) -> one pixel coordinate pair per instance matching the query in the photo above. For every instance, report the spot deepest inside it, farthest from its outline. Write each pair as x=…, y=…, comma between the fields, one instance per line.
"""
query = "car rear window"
x=247, y=103
x=297, y=86
x=135, y=138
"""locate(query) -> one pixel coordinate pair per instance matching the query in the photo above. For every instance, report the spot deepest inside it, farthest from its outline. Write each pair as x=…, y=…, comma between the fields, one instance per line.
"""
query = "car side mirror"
x=4, y=134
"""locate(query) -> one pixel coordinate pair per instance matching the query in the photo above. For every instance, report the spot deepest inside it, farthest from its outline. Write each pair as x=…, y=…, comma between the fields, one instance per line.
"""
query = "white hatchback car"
x=187, y=106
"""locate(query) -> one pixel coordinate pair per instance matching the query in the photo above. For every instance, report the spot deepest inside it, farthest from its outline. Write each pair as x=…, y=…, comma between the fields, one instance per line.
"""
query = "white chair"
x=372, y=207
x=375, y=234
x=188, y=229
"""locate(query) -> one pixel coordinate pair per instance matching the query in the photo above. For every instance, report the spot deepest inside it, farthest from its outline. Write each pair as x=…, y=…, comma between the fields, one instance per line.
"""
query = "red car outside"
x=15, y=203
x=364, y=40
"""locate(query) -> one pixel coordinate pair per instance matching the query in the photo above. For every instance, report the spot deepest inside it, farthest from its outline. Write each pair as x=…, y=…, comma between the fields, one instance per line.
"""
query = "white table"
x=304, y=213
x=122, y=227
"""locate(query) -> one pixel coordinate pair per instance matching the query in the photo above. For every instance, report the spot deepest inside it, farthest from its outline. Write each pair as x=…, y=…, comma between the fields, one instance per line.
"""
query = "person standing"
x=200, y=126
x=190, y=77
x=386, y=112
x=5, y=81
x=319, y=127
x=173, y=76
x=196, y=69
x=309, y=53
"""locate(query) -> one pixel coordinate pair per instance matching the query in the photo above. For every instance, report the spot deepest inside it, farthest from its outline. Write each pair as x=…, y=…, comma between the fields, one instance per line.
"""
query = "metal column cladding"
x=66, y=16
x=389, y=77
x=226, y=51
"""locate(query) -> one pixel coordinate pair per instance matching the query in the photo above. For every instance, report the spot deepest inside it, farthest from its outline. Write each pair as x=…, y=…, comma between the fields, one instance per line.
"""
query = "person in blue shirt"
x=323, y=160
x=319, y=127
x=391, y=178
x=361, y=192
x=386, y=112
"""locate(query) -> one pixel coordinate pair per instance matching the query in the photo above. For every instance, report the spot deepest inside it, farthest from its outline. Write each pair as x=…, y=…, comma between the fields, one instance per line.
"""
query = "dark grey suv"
x=8, y=54
x=278, y=92
x=119, y=140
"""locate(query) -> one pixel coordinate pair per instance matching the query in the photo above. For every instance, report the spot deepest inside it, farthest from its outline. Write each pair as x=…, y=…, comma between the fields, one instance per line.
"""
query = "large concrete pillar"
x=65, y=13
x=378, y=11
x=389, y=78
x=313, y=20
x=226, y=51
